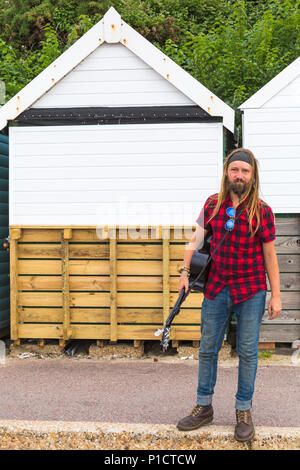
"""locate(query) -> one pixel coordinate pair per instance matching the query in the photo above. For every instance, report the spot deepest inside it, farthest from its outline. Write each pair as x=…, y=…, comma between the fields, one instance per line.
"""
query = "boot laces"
x=243, y=416
x=196, y=410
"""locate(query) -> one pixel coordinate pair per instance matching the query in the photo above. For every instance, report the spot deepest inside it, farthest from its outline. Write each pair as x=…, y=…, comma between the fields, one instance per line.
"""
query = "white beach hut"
x=271, y=129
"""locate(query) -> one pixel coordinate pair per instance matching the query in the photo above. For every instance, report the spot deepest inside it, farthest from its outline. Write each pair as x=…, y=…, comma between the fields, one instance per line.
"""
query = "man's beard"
x=239, y=187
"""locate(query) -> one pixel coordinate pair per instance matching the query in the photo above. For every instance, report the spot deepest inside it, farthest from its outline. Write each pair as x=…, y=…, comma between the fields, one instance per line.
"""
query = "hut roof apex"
x=271, y=88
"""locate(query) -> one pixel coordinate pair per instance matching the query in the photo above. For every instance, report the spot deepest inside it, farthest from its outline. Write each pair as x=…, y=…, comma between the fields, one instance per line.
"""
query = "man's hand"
x=274, y=307
x=183, y=282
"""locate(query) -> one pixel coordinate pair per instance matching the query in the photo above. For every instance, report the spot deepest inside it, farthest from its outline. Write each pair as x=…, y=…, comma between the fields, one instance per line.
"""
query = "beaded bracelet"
x=185, y=268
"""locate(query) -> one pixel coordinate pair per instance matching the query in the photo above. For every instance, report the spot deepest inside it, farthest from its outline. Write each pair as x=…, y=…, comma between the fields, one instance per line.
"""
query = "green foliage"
x=266, y=354
x=235, y=59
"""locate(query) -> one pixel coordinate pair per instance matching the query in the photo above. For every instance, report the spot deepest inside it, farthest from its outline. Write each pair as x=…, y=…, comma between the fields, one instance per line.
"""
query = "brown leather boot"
x=244, y=429
x=200, y=415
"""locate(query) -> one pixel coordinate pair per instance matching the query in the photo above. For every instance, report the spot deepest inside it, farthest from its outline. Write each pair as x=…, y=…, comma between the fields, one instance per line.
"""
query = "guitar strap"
x=210, y=256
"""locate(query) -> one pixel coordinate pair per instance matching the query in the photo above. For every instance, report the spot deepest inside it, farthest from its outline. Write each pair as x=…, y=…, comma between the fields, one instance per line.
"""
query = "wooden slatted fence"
x=67, y=283
x=286, y=328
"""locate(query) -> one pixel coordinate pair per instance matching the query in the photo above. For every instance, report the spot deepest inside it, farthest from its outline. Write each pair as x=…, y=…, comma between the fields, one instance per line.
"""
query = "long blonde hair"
x=254, y=204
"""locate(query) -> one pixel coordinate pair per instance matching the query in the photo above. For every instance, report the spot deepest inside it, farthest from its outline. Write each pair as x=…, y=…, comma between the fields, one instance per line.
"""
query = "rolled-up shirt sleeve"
x=266, y=230
x=204, y=215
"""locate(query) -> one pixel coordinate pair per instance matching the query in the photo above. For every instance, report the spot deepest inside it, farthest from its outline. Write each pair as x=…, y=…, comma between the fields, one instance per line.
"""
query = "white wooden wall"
x=273, y=134
x=113, y=174
x=112, y=76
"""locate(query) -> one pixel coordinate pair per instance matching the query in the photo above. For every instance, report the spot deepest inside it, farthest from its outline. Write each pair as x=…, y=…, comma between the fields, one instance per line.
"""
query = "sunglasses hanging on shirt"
x=230, y=211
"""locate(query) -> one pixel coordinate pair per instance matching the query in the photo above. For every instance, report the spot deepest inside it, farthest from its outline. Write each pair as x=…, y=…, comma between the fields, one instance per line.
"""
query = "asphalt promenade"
x=138, y=391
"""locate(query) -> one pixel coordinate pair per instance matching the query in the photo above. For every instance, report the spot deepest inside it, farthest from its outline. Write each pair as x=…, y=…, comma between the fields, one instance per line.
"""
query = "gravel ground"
x=105, y=436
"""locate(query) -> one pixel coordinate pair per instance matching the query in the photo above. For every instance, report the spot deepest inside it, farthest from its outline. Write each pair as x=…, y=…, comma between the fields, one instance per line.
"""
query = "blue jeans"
x=215, y=316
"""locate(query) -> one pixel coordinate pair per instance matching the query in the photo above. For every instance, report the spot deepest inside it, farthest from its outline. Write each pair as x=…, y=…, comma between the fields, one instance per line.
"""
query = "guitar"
x=199, y=259
x=199, y=269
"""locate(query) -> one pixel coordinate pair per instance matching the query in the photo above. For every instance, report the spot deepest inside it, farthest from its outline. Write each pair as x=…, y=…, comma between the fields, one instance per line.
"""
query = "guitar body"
x=198, y=261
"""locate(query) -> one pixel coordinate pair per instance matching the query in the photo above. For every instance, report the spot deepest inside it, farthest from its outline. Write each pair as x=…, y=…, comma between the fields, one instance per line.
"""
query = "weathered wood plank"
x=285, y=316
x=90, y=315
x=166, y=275
x=141, y=315
x=29, y=330
x=91, y=283
x=42, y=235
x=287, y=225
x=286, y=244
x=140, y=251
x=14, y=290
x=139, y=267
x=40, y=283
x=39, y=251
x=289, y=263
x=288, y=282
x=67, y=331
x=36, y=266
x=290, y=300
x=94, y=234
x=89, y=299
x=113, y=289
x=40, y=299
x=280, y=334
x=91, y=331
x=146, y=332
x=42, y=315
x=102, y=315
x=89, y=251
x=99, y=267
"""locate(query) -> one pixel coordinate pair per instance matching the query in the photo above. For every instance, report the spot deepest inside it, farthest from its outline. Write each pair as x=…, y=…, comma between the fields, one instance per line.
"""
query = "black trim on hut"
x=118, y=115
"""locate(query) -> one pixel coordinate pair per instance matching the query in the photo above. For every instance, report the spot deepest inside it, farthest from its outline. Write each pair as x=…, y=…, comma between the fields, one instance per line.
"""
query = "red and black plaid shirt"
x=239, y=261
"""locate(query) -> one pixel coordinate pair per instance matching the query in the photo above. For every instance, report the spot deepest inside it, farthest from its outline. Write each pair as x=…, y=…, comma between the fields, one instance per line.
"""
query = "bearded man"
x=236, y=284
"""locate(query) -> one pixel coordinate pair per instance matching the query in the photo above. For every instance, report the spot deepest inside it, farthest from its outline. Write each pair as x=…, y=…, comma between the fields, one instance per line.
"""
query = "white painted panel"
x=125, y=133
x=280, y=178
x=173, y=145
x=112, y=76
x=287, y=189
x=178, y=171
x=263, y=139
x=284, y=101
x=158, y=160
x=170, y=98
x=96, y=76
x=280, y=164
x=93, y=184
x=271, y=127
x=100, y=174
x=275, y=151
x=274, y=138
x=279, y=204
x=146, y=195
x=292, y=89
x=287, y=97
x=273, y=115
